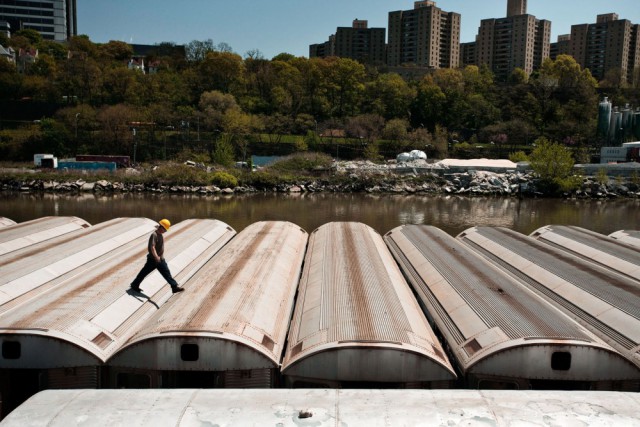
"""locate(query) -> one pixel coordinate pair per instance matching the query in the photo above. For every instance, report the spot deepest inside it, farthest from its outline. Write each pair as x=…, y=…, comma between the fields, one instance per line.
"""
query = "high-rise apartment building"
x=516, y=7
x=561, y=47
x=54, y=19
x=323, y=50
x=426, y=36
x=358, y=42
x=609, y=44
x=517, y=41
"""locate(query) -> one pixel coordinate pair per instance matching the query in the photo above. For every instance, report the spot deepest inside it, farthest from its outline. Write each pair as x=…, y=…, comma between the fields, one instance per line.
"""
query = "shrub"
x=266, y=180
x=302, y=162
x=518, y=156
x=174, y=174
x=551, y=161
x=224, y=180
x=602, y=177
x=570, y=183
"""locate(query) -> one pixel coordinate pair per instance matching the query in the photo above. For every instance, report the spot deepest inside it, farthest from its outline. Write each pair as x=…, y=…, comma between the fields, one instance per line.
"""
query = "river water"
x=453, y=214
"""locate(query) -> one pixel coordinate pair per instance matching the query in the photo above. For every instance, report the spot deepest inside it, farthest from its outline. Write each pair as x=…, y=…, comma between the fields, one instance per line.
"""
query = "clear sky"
x=290, y=26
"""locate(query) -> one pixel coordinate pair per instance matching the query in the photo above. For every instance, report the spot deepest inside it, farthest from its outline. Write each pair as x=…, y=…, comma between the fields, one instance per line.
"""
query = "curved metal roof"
x=236, y=309
x=355, y=317
x=34, y=269
x=38, y=230
x=630, y=237
x=6, y=222
x=94, y=313
x=320, y=407
x=493, y=324
x=605, y=302
x=603, y=250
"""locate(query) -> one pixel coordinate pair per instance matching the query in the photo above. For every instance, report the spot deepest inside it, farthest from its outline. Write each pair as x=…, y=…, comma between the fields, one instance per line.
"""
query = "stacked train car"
x=604, y=301
x=71, y=308
x=275, y=307
x=630, y=237
x=6, y=222
x=605, y=251
x=499, y=332
x=230, y=326
x=356, y=322
x=18, y=236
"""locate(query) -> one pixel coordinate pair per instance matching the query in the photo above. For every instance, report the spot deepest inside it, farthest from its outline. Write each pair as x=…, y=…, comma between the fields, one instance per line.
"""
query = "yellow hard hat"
x=165, y=223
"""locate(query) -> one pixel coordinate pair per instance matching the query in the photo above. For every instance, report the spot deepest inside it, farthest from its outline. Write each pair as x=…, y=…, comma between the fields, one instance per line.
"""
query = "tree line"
x=208, y=99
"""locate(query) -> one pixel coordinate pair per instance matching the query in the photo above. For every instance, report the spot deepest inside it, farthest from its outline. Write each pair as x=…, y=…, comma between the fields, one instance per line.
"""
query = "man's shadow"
x=140, y=296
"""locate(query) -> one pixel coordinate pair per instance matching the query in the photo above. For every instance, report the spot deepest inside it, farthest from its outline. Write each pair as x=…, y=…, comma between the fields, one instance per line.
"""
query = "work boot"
x=134, y=289
x=177, y=289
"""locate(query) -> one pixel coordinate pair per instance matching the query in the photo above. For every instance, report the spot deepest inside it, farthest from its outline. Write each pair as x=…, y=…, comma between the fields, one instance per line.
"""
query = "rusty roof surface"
x=94, y=310
x=29, y=271
x=630, y=237
x=482, y=311
x=24, y=234
x=603, y=250
x=605, y=302
x=244, y=295
x=6, y=222
x=353, y=296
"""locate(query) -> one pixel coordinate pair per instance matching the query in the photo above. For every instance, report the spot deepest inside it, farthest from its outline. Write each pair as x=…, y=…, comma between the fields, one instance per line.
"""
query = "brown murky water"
x=452, y=214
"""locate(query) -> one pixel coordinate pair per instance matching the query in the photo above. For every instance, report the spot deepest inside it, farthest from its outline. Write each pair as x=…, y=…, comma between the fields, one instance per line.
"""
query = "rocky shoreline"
x=472, y=183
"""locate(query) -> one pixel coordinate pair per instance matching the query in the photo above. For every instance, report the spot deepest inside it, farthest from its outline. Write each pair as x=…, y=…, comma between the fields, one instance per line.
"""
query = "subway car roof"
x=6, y=222
x=605, y=302
x=600, y=249
x=236, y=309
x=88, y=316
x=630, y=237
x=30, y=271
x=38, y=230
x=321, y=407
x=355, y=317
x=493, y=324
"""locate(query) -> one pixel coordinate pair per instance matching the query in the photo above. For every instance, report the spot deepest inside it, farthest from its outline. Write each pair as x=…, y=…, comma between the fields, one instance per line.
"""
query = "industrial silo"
x=627, y=122
x=615, y=128
x=604, y=117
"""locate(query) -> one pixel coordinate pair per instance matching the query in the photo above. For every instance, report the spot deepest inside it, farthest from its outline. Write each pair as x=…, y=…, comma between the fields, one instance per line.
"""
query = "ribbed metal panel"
x=94, y=310
x=28, y=272
x=630, y=237
x=38, y=230
x=236, y=309
x=6, y=222
x=73, y=378
x=484, y=313
x=254, y=378
x=602, y=250
x=603, y=301
x=353, y=305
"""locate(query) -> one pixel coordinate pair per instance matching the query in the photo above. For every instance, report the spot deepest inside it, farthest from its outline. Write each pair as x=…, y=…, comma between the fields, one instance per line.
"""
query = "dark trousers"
x=151, y=265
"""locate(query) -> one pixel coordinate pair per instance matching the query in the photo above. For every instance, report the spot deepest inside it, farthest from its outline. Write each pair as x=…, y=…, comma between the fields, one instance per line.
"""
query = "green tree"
x=389, y=95
x=213, y=105
x=344, y=85
x=116, y=50
x=219, y=71
x=33, y=36
x=223, y=152
x=51, y=138
x=552, y=162
x=428, y=105
x=57, y=50
x=197, y=50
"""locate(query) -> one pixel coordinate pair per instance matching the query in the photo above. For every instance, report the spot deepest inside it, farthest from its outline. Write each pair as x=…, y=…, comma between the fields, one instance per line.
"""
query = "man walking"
x=155, y=259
